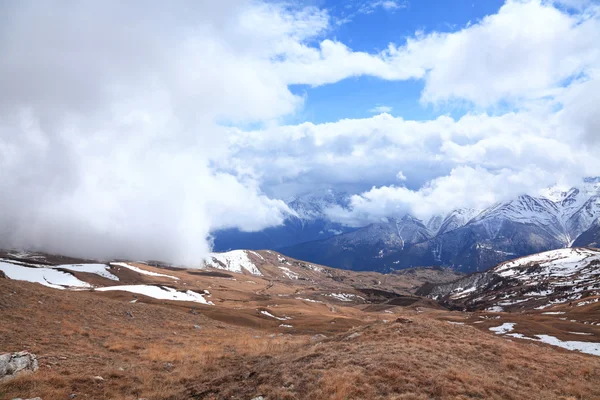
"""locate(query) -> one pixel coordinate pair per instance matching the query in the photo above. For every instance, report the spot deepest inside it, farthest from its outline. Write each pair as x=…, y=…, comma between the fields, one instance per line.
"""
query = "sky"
x=135, y=130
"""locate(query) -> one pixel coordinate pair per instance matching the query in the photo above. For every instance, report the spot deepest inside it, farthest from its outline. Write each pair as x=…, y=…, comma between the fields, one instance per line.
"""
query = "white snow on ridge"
x=462, y=292
x=309, y=300
x=289, y=273
x=160, y=292
x=46, y=276
x=234, y=261
x=141, y=271
x=345, y=296
x=561, y=262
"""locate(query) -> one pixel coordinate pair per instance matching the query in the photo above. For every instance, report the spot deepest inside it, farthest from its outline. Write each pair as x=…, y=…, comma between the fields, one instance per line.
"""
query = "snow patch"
x=345, y=296
x=46, y=276
x=234, y=261
x=98, y=269
x=141, y=271
x=268, y=314
x=289, y=273
x=504, y=328
x=160, y=292
x=583, y=347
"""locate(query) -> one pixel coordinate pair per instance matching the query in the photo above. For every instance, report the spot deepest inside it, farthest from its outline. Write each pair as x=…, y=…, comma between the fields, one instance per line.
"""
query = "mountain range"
x=468, y=240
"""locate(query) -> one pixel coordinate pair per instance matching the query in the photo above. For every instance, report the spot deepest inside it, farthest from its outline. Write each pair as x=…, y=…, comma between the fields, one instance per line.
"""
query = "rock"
x=129, y=314
x=13, y=364
x=318, y=337
x=354, y=335
x=3, y=275
x=33, y=398
x=168, y=365
x=258, y=398
x=72, y=396
x=197, y=326
x=403, y=320
x=98, y=378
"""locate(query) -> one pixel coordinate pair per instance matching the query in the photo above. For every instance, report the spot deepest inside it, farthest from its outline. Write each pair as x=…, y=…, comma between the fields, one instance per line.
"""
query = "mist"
x=108, y=125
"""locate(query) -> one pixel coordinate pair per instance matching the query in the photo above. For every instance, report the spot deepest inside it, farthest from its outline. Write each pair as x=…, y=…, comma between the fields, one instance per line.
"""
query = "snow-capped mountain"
x=452, y=221
x=537, y=281
x=467, y=239
x=307, y=223
x=313, y=206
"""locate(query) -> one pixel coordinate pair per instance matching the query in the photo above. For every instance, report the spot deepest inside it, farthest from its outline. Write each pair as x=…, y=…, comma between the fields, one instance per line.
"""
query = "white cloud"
x=387, y=5
x=110, y=135
x=381, y=110
x=108, y=127
x=530, y=149
x=525, y=51
x=471, y=187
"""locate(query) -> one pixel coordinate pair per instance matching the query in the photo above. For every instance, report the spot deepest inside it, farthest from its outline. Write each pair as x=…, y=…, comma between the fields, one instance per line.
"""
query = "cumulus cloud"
x=526, y=51
x=528, y=151
x=119, y=122
x=533, y=56
x=108, y=122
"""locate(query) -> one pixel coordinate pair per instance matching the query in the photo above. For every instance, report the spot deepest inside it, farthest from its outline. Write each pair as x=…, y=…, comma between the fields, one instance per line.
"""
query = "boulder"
x=13, y=364
x=2, y=275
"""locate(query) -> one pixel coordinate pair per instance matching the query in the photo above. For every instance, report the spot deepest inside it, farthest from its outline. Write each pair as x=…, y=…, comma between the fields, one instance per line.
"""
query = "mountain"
x=466, y=239
x=367, y=246
x=307, y=223
x=589, y=238
x=535, y=282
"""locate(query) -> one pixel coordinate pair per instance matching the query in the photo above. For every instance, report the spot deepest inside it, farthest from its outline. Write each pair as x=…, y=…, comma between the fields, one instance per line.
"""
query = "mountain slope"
x=589, y=238
x=536, y=281
x=365, y=248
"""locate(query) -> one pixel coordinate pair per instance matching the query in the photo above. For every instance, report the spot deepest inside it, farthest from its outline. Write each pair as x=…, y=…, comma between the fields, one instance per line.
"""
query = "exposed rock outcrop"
x=13, y=364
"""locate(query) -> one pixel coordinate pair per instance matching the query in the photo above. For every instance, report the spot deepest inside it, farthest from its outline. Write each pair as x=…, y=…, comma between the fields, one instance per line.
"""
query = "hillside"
x=260, y=324
x=566, y=276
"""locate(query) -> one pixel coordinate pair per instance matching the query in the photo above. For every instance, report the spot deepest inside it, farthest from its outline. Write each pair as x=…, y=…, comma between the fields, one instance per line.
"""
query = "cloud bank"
x=121, y=124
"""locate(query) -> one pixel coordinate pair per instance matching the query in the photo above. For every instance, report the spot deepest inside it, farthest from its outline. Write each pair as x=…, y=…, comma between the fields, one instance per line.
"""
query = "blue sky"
x=371, y=31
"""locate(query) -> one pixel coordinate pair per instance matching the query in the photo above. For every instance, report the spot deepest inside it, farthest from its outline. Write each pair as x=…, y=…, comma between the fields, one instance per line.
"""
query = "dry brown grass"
x=159, y=354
